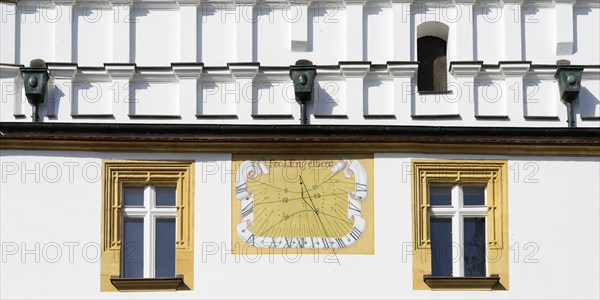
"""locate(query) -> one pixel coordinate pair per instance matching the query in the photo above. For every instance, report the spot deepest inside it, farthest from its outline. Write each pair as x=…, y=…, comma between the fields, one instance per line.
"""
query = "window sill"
x=434, y=92
x=146, y=284
x=461, y=283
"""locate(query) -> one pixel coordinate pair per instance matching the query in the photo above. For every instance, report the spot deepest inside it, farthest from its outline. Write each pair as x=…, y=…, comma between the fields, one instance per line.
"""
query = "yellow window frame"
x=119, y=173
x=491, y=173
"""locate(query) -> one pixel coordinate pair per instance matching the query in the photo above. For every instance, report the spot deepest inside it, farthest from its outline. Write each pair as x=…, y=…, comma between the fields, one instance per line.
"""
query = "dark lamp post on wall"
x=569, y=85
x=303, y=75
x=35, y=83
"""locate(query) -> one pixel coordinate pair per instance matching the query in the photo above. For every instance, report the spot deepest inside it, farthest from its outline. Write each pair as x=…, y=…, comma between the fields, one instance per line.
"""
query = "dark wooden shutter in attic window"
x=431, y=52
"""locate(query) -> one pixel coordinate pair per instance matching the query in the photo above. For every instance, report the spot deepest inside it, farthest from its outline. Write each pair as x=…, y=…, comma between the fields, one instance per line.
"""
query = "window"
x=460, y=225
x=431, y=54
x=432, y=64
x=457, y=230
x=147, y=226
x=149, y=216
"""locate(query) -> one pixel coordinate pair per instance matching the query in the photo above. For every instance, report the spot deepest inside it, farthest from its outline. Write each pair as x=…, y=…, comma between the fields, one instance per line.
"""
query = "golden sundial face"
x=293, y=208
x=304, y=202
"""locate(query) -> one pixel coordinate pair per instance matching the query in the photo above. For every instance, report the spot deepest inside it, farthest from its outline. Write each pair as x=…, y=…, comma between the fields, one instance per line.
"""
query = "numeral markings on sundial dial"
x=250, y=240
x=240, y=189
x=361, y=187
x=355, y=233
x=295, y=242
x=249, y=209
x=354, y=207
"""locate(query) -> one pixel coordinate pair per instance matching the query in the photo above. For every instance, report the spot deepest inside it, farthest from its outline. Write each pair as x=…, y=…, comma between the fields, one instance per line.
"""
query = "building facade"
x=169, y=149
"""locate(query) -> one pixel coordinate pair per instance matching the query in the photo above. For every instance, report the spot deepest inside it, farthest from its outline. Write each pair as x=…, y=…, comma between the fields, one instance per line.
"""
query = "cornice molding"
x=188, y=71
x=338, y=72
x=166, y=4
x=465, y=68
x=402, y=69
x=355, y=69
x=9, y=70
x=286, y=138
x=244, y=70
x=120, y=71
x=62, y=71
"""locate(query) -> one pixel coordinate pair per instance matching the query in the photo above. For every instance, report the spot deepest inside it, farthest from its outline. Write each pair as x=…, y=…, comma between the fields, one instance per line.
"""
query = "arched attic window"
x=432, y=39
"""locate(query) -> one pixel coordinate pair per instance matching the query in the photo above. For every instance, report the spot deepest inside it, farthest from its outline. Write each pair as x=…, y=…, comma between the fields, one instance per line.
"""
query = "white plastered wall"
x=52, y=201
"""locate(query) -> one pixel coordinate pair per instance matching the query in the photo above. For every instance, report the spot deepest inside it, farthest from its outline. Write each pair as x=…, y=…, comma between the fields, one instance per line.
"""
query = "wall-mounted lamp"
x=569, y=85
x=303, y=75
x=35, y=82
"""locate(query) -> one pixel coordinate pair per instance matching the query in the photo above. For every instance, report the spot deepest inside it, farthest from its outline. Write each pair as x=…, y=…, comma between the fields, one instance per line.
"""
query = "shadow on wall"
x=588, y=104
x=528, y=13
x=24, y=10
x=576, y=13
x=132, y=91
x=371, y=84
x=52, y=102
x=324, y=97
x=325, y=12
x=133, y=19
x=365, y=29
x=78, y=13
x=480, y=12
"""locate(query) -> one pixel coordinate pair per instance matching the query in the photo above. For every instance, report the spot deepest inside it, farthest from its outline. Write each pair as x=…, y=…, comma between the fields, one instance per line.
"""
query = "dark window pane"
x=133, y=248
x=441, y=246
x=133, y=196
x=473, y=195
x=165, y=248
x=165, y=195
x=474, y=247
x=440, y=195
x=431, y=53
